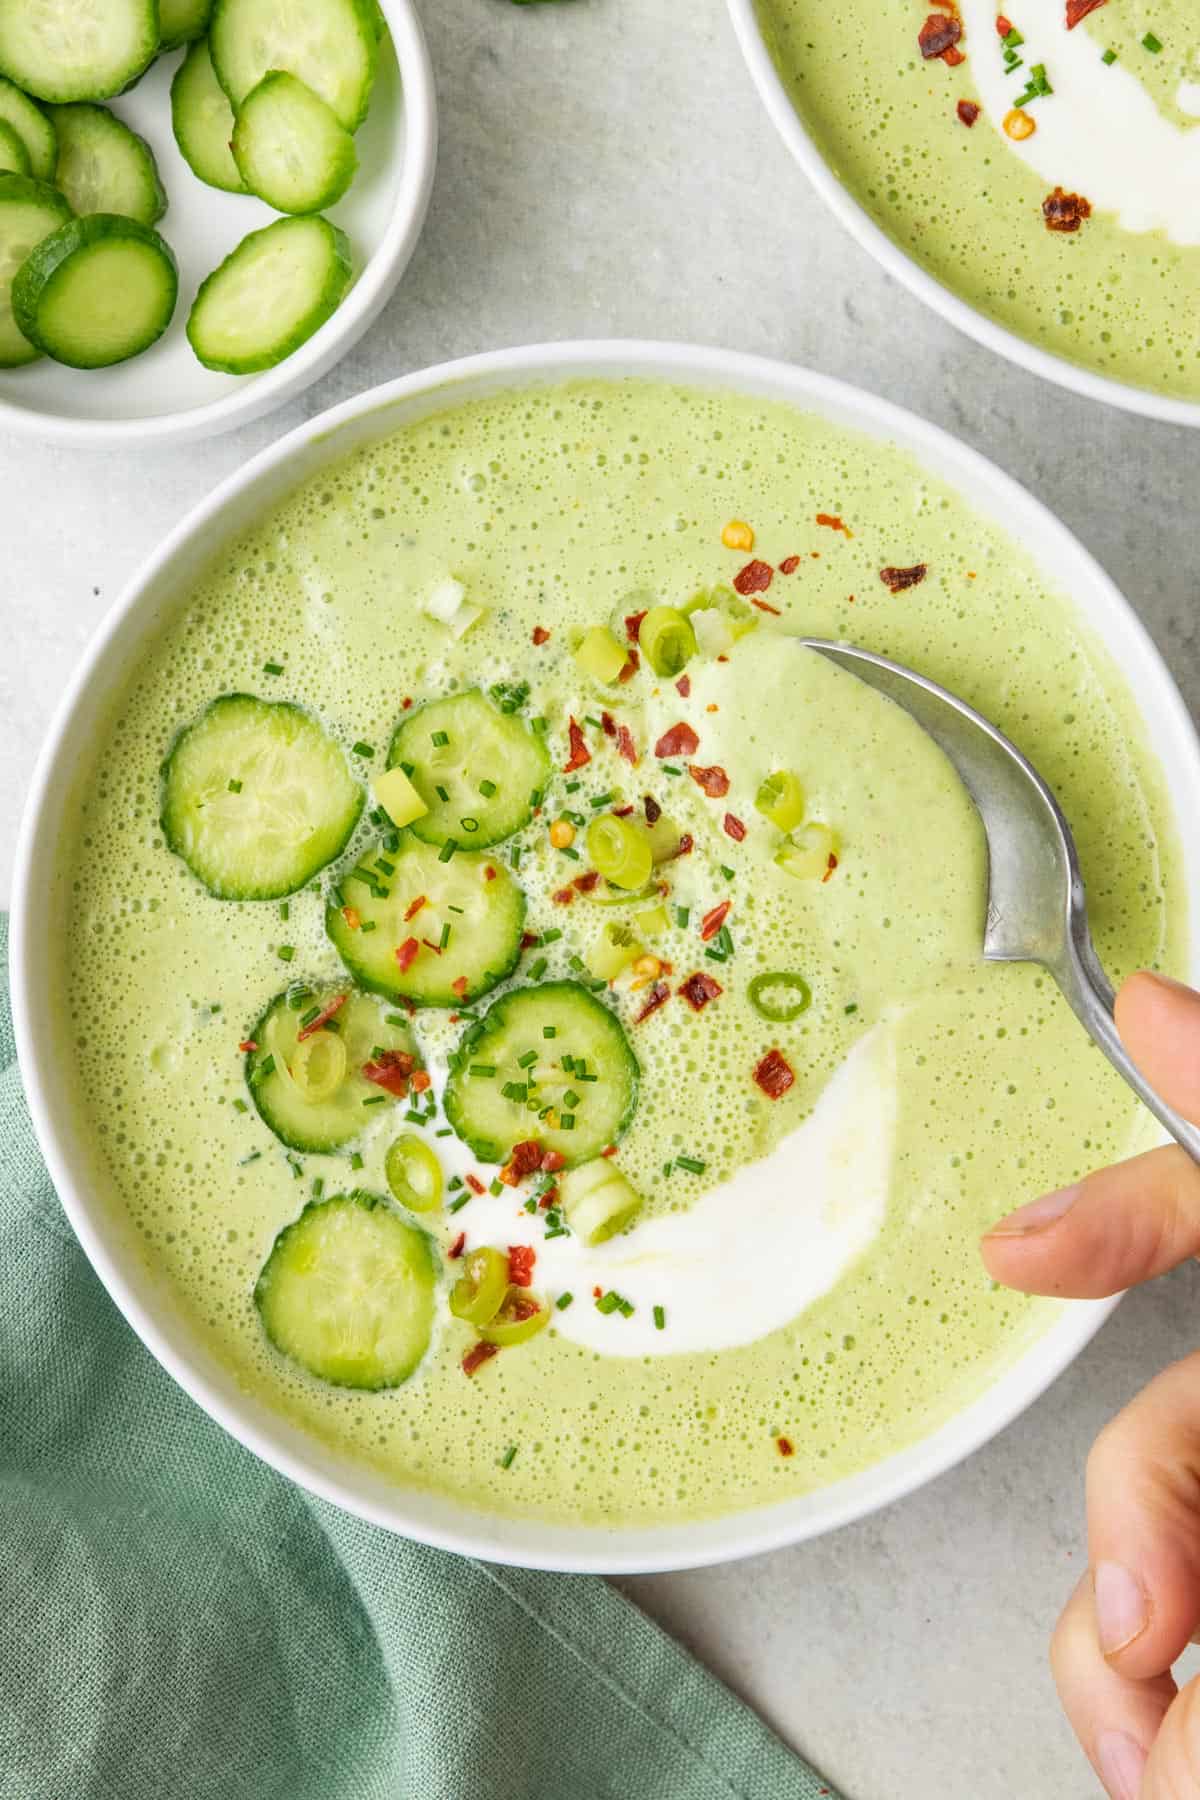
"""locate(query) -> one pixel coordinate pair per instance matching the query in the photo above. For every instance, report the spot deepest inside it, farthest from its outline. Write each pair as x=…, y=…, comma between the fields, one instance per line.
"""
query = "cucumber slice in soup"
x=179, y=21
x=290, y=147
x=76, y=49
x=489, y=768
x=104, y=167
x=32, y=127
x=202, y=120
x=257, y=798
x=585, y=1071
x=466, y=928
x=96, y=291
x=29, y=212
x=270, y=295
x=330, y=44
x=14, y=157
x=348, y=1292
x=306, y=1077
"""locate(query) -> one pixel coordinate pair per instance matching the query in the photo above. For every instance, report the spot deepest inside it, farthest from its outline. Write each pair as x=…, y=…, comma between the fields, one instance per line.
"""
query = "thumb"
x=1173, y=1769
x=1159, y=1023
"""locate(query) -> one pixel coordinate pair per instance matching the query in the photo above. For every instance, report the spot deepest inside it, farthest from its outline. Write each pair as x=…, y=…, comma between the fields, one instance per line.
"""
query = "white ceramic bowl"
x=166, y=394
x=37, y=933
x=944, y=300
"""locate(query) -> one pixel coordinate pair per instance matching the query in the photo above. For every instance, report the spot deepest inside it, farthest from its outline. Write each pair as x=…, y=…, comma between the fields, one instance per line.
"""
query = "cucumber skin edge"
x=341, y=277
x=367, y=18
x=46, y=258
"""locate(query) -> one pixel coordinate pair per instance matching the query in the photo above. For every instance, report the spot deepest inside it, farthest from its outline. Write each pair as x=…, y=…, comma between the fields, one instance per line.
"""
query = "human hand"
x=1139, y=1604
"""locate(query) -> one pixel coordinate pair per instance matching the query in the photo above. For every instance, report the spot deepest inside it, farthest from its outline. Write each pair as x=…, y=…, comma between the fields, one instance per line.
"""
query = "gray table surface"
x=606, y=169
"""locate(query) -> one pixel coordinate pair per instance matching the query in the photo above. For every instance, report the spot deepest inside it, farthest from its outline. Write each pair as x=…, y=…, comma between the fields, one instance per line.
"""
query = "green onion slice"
x=779, y=1009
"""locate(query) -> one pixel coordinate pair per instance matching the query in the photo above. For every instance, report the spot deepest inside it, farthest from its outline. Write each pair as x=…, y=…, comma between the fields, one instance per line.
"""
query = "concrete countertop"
x=606, y=169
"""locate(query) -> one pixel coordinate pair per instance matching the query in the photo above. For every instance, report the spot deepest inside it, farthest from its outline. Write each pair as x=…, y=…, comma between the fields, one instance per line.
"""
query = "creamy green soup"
x=959, y=162
x=801, y=1292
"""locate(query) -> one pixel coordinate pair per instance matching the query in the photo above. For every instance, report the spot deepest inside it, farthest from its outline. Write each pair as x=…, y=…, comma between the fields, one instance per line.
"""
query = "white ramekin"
x=37, y=944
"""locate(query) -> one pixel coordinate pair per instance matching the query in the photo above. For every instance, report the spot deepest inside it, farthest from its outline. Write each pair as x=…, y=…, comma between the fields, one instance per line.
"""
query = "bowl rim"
x=263, y=392
x=906, y=270
x=290, y=1450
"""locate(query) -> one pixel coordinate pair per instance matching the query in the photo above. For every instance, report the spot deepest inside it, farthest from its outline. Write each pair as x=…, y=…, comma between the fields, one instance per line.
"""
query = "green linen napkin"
x=178, y=1622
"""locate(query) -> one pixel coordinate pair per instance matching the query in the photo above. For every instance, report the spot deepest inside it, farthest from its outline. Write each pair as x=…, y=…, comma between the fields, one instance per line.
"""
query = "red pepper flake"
x=896, y=580
x=585, y=883
x=522, y=1309
x=326, y=1012
x=521, y=1258
x=755, y=578
x=407, y=953
x=548, y=1199
x=765, y=606
x=699, y=989
x=473, y=1182
x=248, y=1044
x=712, y=921
x=967, y=111
x=686, y=846
x=939, y=34
x=406, y=703
x=1076, y=10
x=564, y=896
x=830, y=867
x=1065, y=212
x=540, y=635
x=459, y=986
x=352, y=917
x=658, y=996
x=652, y=808
x=608, y=724
x=789, y=565
x=622, y=812
x=609, y=1150
x=626, y=746
x=1003, y=25
x=734, y=828
x=430, y=945
x=713, y=780
x=421, y=1080
x=529, y=939
x=633, y=624
x=683, y=686
x=596, y=1292
x=834, y=522
x=489, y=874
x=785, y=1447
x=478, y=1355
x=631, y=667
x=774, y=1075
x=553, y=1161
x=414, y=907
x=457, y=1247
x=952, y=58
x=680, y=740
x=523, y=1159
x=580, y=754
x=390, y=1071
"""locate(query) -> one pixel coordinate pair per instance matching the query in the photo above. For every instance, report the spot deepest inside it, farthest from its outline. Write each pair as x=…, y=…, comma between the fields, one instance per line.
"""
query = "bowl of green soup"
x=506, y=1021
x=1031, y=171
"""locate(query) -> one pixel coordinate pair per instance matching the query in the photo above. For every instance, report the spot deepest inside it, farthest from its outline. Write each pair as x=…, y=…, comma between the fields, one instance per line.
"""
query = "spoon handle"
x=1090, y=994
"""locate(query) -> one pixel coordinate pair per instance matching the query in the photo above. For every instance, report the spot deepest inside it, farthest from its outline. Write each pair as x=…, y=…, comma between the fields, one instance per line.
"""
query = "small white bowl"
x=166, y=394
x=39, y=905
x=897, y=262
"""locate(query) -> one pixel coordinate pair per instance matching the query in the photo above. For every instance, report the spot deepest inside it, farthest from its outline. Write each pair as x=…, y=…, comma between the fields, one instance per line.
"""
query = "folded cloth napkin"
x=179, y=1622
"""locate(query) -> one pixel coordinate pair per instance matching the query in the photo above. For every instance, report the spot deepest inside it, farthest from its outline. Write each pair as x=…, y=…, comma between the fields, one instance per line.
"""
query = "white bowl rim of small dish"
x=432, y=1518
x=254, y=395
x=906, y=270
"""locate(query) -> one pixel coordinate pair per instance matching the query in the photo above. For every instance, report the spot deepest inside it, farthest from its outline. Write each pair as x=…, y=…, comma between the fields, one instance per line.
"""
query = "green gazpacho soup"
x=1042, y=159
x=528, y=1009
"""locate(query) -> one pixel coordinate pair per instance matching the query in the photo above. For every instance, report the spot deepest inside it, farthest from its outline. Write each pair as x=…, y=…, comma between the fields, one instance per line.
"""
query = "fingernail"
x=1122, y=1764
x=1037, y=1215
x=1122, y=1610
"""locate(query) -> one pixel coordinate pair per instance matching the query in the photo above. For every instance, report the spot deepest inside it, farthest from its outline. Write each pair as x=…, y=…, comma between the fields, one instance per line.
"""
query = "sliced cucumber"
x=29, y=212
x=96, y=291
x=348, y=1292
x=290, y=147
x=585, y=1072
x=103, y=167
x=76, y=49
x=256, y=798
x=14, y=157
x=330, y=44
x=307, y=1084
x=202, y=119
x=32, y=127
x=467, y=932
x=491, y=768
x=179, y=21
x=270, y=295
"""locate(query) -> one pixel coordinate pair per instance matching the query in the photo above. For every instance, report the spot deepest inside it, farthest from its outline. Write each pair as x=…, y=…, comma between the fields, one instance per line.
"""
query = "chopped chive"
x=582, y=1074
x=538, y=969
x=272, y=668
x=441, y=792
x=253, y=1157
x=444, y=936
x=284, y=909
x=566, y=850
x=447, y=850
x=336, y=896
x=318, y=1187
x=602, y=799
x=682, y=915
x=375, y=1100
x=625, y=1308
x=568, y=1062
x=557, y=1231
x=482, y=1071
x=369, y=925
x=608, y=1303
x=361, y=749
x=667, y=1167
x=1109, y=57
x=294, y=1166
x=410, y=769
x=235, y=787
x=552, y=936
x=563, y=1301
x=314, y=1012
x=515, y=856
x=266, y=1067
x=531, y=1204
x=579, y=1065
x=391, y=842
x=852, y=1008
x=539, y=724
x=660, y=1318
x=454, y=909
x=727, y=872
x=515, y=1090
x=536, y=798
x=573, y=787
x=440, y=738
x=670, y=769
x=509, y=1457
x=691, y=1163
x=487, y=789
x=394, y=1019
x=576, y=818
x=285, y=952
x=549, y=1031
x=240, y=1106
x=567, y=1122
x=496, y=1188
x=356, y=1161
x=469, y=823
x=576, y=962
x=570, y=1098
x=588, y=720
x=457, y=1205
x=455, y=1181
x=527, y=1061
x=386, y=867
x=1151, y=43
x=412, y=1116
x=444, y=1131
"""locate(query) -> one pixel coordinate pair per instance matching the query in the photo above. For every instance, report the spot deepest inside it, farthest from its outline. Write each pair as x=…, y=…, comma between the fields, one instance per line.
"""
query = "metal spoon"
x=1036, y=910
